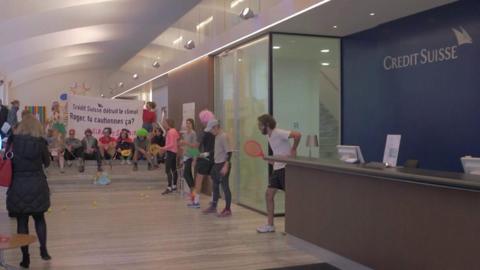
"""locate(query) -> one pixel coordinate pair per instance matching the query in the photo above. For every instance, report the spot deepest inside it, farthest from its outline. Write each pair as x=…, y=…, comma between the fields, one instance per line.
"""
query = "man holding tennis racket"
x=279, y=141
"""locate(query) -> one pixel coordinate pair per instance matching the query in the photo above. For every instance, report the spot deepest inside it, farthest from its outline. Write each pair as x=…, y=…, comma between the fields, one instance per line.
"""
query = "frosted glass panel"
x=241, y=95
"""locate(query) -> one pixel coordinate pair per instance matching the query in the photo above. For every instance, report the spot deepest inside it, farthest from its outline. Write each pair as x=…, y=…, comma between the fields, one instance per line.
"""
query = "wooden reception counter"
x=385, y=218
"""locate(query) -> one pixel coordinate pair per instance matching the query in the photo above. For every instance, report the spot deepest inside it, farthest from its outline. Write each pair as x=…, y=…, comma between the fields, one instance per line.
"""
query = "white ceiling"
x=43, y=37
x=352, y=16
x=40, y=38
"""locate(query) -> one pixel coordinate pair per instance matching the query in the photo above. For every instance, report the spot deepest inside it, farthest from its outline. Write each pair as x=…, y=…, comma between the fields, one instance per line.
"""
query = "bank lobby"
x=383, y=92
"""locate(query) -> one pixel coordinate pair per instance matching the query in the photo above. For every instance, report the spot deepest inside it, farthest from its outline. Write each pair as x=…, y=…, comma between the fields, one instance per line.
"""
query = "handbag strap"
x=9, y=152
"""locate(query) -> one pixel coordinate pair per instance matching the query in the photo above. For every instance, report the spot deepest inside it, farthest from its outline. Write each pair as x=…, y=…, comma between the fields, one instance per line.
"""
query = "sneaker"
x=135, y=167
x=69, y=163
x=122, y=162
x=174, y=188
x=81, y=168
x=225, y=213
x=193, y=205
x=129, y=162
x=167, y=191
x=210, y=210
x=266, y=229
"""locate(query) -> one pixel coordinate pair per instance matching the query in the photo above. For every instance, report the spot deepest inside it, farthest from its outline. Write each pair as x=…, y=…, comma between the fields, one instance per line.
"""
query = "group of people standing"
x=215, y=161
x=207, y=154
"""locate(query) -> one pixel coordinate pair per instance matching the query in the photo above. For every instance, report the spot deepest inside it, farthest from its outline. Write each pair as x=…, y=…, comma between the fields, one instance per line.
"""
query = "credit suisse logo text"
x=429, y=55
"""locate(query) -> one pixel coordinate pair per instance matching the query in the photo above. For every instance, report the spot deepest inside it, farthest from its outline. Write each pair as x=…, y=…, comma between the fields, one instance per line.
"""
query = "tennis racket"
x=253, y=149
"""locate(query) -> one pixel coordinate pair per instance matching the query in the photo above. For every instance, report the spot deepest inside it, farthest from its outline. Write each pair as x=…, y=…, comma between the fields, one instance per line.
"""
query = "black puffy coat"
x=29, y=192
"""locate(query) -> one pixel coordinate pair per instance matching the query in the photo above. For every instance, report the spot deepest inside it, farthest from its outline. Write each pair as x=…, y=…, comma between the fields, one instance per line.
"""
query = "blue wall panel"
x=435, y=106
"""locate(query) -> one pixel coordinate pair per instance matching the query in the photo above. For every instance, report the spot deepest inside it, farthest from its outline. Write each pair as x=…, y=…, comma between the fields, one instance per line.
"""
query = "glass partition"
x=241, y=95
x=306, y=89
x=305, y=93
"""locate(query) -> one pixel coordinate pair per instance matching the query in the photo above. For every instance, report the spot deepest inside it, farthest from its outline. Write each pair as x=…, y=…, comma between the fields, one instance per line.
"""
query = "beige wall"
x=44, y=91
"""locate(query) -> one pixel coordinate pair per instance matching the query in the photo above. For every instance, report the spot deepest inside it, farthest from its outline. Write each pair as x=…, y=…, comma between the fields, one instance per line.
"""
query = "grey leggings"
x=219, y=179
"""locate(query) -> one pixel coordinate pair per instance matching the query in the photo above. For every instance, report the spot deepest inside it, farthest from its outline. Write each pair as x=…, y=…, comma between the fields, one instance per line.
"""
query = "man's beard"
x=264, y=131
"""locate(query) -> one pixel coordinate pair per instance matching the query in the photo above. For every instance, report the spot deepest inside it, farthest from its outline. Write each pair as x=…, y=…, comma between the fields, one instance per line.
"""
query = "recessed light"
x=335, y=26
x=372, y=14
x=205, y=22
x=325, y=64
x=325, y=51
x=121, y=84
x=235, y=3
x=276, y=47
x=135, y=76
x=240, y=60
x=156, y=64
x=178, y=40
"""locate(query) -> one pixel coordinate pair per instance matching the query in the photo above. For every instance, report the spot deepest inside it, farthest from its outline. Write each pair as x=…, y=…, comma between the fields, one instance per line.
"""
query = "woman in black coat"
x=29, y=194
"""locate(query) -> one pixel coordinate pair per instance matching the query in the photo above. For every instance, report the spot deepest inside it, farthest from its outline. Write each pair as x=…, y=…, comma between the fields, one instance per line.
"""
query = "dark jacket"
x=3, y=115
x=159, y=139
x=124, y=144
x=29, y=192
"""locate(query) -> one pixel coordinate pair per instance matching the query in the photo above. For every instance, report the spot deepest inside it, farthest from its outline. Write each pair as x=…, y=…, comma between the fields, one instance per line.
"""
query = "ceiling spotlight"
x=135, y=76
x=325, y=51
x=121, y=84
x=276, y=47
x=102, y=95
x=335, y=27
x=372, y=14
x=155, y=64
x=325, y=64
x=247, y=13
x=189, y=45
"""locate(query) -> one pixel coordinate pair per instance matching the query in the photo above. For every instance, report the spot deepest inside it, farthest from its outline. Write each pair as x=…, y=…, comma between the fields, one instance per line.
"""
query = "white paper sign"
x=392, y=147
x=98, y=113
x=188, y=112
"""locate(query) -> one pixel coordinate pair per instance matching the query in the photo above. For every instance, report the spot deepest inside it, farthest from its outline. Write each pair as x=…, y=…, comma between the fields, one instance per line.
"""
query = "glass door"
x=241, y=95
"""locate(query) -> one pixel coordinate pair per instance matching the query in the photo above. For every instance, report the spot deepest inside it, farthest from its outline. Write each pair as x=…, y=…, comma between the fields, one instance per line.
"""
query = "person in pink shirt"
x=170, y=149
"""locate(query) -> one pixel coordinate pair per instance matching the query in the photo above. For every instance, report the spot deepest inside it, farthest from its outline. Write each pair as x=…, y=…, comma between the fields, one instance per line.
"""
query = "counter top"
x=442, y=179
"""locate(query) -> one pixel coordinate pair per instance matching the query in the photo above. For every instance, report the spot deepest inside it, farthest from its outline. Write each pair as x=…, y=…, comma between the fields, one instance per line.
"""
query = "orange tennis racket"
x=253, y=149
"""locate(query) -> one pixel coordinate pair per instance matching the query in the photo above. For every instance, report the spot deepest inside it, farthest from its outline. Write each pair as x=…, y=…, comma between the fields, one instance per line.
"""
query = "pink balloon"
x=205, y=116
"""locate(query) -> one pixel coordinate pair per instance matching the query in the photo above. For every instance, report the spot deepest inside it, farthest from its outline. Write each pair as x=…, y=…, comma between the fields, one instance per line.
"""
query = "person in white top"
x=279, y=141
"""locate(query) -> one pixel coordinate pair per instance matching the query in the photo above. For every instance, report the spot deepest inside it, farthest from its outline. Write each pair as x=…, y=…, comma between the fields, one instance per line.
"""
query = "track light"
x=247, y=13
x=189, y=45
x=135, y=76
x=156, y=64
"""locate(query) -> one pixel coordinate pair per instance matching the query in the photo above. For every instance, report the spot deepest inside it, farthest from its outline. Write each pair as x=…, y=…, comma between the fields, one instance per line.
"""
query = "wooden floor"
x=130, y=225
